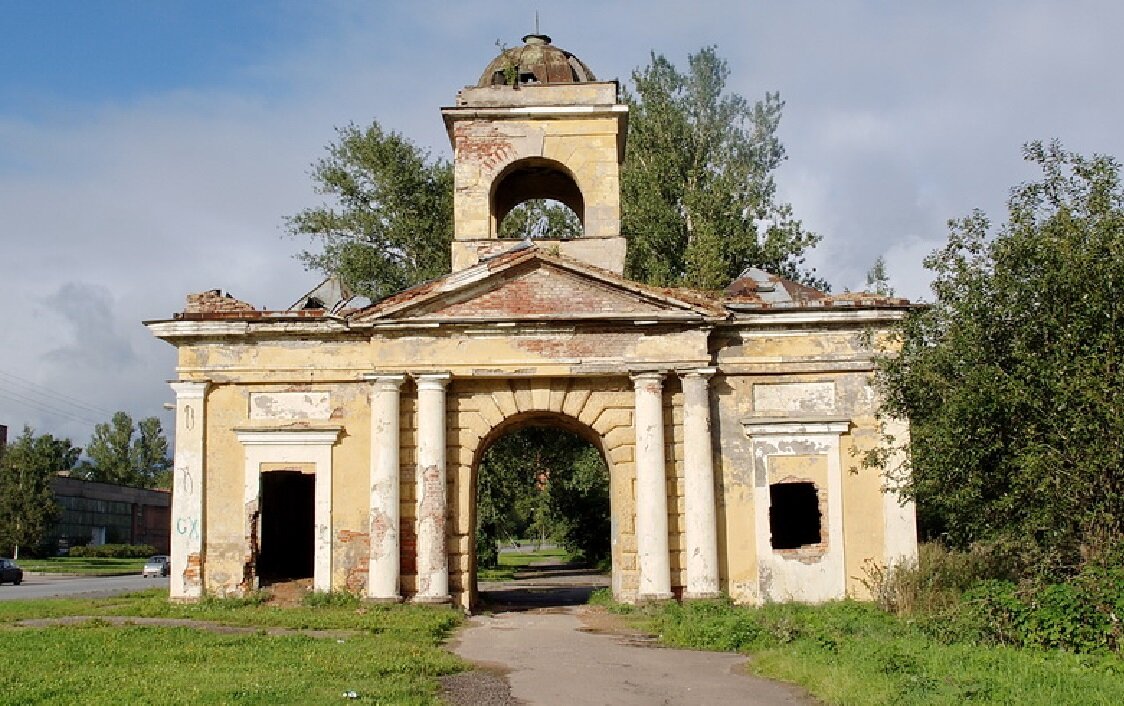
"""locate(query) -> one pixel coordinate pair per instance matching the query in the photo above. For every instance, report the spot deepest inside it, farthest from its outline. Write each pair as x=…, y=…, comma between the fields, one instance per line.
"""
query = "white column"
x=383, y=565
x=187, y=494
x=698, y=481
x=651, y=489
x=432, y=557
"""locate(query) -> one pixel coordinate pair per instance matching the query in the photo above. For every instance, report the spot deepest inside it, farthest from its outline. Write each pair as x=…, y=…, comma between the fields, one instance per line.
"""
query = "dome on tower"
x=537, y=61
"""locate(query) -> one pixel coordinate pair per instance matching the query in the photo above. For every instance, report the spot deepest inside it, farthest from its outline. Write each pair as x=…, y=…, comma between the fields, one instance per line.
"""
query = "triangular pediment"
x=532, y=286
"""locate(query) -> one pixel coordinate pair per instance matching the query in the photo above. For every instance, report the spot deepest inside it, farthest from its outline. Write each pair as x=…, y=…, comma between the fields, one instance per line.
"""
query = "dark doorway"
x=286, y=539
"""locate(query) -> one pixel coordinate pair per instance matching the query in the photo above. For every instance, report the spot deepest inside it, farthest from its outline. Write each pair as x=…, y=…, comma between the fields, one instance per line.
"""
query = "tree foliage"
x=542, y=481
x=127, y=454
x=698, y=197
x=1012, y=379
x=878, y=278
x=389, y=221
x=541, y=218
x=27, y=504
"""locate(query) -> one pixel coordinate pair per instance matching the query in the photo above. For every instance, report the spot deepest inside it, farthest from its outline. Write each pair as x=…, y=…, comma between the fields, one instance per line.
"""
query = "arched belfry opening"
x=534, y=179
x=541, y=488
x=538, y=125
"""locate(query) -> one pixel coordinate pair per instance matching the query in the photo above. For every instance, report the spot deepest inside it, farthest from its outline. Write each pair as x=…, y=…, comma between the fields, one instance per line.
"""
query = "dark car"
x=10, y=573
x=156, y=566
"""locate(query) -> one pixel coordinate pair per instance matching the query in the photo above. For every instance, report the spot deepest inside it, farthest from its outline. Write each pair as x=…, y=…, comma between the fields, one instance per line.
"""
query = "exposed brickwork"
x=483, y=144
x=353, y=549
x=546, y=291
x=408, y=544
x=193, y=573
x=214, y=301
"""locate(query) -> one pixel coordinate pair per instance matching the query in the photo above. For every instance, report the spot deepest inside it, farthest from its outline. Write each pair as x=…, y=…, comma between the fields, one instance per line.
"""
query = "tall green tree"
x=149, y=454
x=878, y=278
x=27, y=504
x=698, y=197
x=1013, y=379
x=127, y=454
x=388, y=221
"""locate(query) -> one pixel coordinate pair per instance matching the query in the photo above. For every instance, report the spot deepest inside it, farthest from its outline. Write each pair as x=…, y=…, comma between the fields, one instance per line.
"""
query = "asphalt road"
x=549, y=657
x=55, y=585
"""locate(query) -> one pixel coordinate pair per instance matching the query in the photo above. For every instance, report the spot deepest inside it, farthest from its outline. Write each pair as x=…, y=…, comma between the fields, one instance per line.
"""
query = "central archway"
x=542, y=478
x=598, y=409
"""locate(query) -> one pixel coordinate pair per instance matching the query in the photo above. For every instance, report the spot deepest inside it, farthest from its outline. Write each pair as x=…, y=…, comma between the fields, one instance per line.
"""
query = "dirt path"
x=579, y=654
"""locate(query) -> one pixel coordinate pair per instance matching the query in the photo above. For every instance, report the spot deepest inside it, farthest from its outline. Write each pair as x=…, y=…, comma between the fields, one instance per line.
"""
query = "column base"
x=701, y=595
x=432, y=600
x=655, y=597
x=383, y=600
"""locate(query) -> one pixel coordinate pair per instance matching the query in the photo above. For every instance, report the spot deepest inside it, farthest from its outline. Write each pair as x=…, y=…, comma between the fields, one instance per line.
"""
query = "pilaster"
x=188, y=528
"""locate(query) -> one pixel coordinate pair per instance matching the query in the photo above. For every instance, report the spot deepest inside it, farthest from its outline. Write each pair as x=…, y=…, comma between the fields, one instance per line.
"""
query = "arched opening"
x=547, y=185
x=541, y=514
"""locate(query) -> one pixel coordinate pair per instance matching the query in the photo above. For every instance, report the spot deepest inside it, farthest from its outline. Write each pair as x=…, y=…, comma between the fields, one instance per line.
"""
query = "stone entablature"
x=672, y=393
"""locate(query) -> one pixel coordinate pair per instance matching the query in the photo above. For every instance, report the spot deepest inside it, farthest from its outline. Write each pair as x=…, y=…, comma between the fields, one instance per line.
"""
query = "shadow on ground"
x=543, y=585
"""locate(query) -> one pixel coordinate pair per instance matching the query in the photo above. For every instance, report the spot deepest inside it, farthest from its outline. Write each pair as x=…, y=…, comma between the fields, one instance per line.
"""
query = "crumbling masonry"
x=342, y=443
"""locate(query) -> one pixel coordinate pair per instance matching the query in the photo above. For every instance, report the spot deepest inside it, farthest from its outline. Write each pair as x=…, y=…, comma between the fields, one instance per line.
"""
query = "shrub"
x=937, y=580
x=1081, y=615
x=114, y=551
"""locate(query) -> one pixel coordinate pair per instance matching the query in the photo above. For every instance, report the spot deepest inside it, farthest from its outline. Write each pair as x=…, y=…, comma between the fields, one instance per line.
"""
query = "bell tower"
x=537, y=125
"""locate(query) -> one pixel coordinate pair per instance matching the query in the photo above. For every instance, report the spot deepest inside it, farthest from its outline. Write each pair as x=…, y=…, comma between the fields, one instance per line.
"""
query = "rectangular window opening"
x=794, y=515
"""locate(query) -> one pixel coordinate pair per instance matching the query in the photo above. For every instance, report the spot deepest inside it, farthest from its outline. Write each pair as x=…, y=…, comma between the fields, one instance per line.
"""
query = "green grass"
x=512, y=562
x=83, y=566
x=853, y=653
x=395, y=657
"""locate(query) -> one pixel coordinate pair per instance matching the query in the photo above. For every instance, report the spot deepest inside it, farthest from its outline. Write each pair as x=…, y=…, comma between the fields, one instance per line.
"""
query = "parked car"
x=10, y=573
x=157, y=565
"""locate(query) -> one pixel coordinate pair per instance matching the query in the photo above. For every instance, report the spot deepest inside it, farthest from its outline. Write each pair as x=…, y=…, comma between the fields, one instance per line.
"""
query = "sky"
x=149, y=149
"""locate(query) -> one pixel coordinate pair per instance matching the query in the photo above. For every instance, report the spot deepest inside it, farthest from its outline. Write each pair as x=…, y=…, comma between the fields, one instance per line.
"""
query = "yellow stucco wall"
x=500, y=382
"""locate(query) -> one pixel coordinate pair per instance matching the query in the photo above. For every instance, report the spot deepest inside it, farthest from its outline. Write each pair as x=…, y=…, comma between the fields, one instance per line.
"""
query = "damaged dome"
x=537, y=61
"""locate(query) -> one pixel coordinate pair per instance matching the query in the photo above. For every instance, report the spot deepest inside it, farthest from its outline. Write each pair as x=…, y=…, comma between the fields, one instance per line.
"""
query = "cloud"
x=96, y=343
x=898, y=117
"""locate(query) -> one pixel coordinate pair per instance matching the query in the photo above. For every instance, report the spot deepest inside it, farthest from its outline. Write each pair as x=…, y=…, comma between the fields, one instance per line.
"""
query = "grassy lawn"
x=853, y=653
x=511, y=562
x=83, y=566
x=394, y=657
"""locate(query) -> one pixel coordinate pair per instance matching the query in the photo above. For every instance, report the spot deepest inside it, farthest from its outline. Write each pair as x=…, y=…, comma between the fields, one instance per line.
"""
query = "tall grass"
x=854, y=653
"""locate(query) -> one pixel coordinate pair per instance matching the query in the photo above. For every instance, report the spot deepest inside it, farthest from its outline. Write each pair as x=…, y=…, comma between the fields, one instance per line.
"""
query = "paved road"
x=553, y=649
x=549, y=657
x=55, y=585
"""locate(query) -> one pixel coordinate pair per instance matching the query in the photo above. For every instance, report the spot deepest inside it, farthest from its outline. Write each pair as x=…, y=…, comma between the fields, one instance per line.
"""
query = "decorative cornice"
x=789, y=426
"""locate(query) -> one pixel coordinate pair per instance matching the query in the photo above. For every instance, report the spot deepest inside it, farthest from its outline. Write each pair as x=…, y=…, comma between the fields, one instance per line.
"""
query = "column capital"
x=432, y=381
x=647, y=376
x=704, y=373
x=189, y=389
x=388, y=381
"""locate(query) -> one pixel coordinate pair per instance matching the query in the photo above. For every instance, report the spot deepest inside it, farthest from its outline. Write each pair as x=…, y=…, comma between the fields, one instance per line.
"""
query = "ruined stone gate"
x=341, y=443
